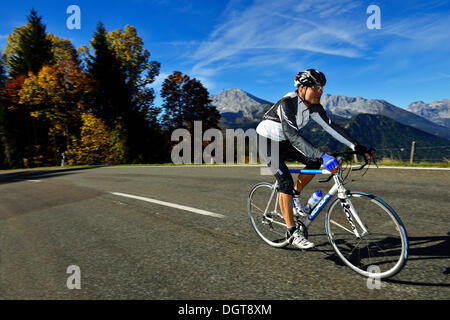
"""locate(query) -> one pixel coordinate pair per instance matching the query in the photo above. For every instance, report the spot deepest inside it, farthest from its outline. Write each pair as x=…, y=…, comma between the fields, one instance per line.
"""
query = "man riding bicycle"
x=281, y=125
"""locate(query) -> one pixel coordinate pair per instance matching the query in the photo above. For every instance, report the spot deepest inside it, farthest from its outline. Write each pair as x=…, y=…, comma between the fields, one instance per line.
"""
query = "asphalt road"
x=132, y=249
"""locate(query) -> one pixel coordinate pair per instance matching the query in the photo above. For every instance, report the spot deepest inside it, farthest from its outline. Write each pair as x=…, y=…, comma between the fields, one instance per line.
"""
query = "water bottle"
x=315, y=198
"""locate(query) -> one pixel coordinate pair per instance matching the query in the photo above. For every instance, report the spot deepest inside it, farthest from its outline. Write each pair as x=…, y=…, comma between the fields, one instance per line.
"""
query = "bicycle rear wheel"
x=379, y=254
x=266, y=219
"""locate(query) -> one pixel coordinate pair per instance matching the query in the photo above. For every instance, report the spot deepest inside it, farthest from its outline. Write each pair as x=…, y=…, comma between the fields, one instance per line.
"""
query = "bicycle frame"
x=339, y=189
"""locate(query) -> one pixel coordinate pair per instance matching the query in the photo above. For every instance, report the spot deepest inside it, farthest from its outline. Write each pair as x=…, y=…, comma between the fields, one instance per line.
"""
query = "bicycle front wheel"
x=380, y=253
x=266, y=219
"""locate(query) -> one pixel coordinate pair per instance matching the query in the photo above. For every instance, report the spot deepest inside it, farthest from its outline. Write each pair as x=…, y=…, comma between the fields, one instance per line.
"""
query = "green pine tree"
x=33, y=48
x=173, y=107
x=111, y=96
x=186, y=100
x=197, y=105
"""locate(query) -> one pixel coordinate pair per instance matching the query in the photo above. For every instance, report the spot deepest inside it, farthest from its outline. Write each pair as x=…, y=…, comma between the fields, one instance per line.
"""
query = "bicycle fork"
x=349, y=210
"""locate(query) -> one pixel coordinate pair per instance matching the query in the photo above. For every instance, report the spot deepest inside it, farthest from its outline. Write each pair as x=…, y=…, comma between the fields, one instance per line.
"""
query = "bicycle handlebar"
x=340, y=157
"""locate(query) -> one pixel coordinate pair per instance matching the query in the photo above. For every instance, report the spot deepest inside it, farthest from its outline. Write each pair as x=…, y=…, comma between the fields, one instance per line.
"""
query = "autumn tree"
x=97, y=144
x=16, y=122
x=53, y=93
x=27, y=50
x=62, y=50
x=145, y=140
x=19, y=136
x=55, y=96
x=122, y=72
x=139, y=70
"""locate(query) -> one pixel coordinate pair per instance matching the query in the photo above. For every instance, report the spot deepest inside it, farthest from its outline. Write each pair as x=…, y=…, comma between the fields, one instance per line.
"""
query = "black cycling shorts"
x=278, y=166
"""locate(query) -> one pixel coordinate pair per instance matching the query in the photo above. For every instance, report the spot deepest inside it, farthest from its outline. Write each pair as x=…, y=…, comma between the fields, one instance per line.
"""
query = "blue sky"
x=258, y=46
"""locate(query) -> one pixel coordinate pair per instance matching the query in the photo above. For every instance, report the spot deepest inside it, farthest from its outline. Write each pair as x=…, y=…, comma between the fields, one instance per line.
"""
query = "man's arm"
x=319, y=115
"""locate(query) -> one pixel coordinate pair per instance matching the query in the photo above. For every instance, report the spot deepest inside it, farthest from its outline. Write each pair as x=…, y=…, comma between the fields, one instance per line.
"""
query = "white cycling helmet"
x=309, y=78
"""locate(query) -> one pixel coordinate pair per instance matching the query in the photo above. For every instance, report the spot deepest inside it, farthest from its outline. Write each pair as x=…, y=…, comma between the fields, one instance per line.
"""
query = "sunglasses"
x=317, y=88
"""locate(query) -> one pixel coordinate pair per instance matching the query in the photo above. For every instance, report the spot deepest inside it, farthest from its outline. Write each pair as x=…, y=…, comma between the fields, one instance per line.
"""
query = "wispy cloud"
x=270, y=32
x=284, y=33
x=423, y=33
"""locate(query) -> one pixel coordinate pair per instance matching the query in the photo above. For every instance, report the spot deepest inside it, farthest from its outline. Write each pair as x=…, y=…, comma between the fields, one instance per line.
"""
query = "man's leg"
x=296, y=237
x=285, y=201
x=275, y=160
x=302, y=181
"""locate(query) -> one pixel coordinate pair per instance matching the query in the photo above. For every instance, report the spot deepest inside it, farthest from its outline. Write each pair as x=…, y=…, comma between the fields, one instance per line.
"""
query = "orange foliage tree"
x=97, y=144
x=55, y=96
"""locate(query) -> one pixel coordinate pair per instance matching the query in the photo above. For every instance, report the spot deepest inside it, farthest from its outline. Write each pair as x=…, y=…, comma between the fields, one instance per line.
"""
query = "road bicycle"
x=364, y=231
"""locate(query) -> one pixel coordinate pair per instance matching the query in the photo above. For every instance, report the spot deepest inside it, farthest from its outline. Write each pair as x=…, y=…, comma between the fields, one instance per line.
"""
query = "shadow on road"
x=420, y=248
x=36, y=174
x=428, y=248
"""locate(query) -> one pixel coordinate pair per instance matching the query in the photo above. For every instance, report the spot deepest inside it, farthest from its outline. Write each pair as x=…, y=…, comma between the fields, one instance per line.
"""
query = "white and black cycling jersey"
x=289, y=115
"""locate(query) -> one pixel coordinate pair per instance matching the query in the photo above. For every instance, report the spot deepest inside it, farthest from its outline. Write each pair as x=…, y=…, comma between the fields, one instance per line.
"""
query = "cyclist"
x=281, y=124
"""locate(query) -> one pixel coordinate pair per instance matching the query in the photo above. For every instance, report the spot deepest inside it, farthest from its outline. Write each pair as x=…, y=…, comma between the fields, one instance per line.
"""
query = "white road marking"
x=26, y=180
x=172, y=205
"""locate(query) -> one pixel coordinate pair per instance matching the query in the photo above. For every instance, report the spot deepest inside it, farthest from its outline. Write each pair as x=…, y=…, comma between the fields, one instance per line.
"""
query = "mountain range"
x=237, y=106
x=375, y=122
x=348, y=107
x=240, y=107
x=437, y=111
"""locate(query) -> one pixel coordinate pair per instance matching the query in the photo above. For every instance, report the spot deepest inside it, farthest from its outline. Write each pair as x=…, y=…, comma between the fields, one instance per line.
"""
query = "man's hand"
x=330, y=163
x=335, y=170
x=364, y=151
